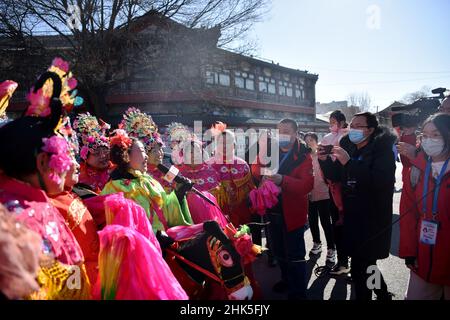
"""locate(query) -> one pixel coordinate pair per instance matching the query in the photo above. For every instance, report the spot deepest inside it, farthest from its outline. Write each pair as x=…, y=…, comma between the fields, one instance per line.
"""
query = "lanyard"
x=436, y=190
x=285, y=158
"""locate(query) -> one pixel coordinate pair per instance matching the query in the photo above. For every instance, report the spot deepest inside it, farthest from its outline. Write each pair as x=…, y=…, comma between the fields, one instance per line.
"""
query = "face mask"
x=432, y=147
x=284, y=140
x=356, y=136
x=334, y=128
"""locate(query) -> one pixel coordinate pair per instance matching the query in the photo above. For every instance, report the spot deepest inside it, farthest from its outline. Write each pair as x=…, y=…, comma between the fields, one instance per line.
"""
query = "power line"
x=382, y=82
x=385, y=72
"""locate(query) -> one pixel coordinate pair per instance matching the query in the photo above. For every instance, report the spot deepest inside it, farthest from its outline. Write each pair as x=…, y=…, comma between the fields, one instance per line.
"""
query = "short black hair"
x=338, y=115
x=442, y=122
x=312, y=135
x=293, y=123
x=371, y=119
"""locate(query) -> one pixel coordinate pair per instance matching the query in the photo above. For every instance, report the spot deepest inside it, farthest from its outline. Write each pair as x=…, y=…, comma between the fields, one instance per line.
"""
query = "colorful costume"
x=131, y=263
x=177, y=133
x=7, y=89
x=83, y=227
x=156, y=174
x=19, y=254
x=94, y=178
x=236, y=181
x=206, y=180
x=163, y=210
x=92, y=137
x=62, y=274
x=140, y=125
x=33, y=208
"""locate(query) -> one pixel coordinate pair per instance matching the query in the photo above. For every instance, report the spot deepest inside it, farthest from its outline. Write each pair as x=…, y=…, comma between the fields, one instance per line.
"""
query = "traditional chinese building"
x=199, y=81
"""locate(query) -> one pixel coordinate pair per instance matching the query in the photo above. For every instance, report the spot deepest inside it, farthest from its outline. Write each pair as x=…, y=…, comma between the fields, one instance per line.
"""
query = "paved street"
x=327, y=288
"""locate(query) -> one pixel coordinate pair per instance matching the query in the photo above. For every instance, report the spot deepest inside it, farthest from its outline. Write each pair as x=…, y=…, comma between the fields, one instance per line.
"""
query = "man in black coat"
x=365, y=165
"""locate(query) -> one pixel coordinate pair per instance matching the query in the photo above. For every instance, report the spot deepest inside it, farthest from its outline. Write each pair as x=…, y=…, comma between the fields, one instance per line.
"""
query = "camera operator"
x=445, y=106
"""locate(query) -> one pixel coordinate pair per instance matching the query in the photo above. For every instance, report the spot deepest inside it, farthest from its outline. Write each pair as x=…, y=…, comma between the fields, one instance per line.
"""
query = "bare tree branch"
x=116, y=42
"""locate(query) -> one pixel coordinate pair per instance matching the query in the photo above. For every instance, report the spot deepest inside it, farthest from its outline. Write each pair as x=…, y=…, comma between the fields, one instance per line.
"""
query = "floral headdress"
x=120, y=138
x=70, y=135
x=141, y=126
x=178, y=132
x=192, y=138
x=60, y=160
x=40, y=100
x=91, y=133
x=7, y=89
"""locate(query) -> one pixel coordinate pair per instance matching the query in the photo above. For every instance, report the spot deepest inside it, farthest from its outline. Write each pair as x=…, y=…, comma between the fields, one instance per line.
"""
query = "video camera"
x=418, y=111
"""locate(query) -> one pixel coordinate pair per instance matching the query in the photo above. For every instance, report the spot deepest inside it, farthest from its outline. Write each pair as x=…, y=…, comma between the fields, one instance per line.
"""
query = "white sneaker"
x=316, y=249
x=331, y=256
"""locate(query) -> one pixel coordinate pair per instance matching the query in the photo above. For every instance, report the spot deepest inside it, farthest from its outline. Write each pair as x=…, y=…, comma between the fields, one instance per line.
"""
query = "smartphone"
x=326, y=149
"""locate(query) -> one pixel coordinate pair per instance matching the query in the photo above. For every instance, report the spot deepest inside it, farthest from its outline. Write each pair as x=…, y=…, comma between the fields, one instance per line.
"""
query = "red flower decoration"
x=121, y=139
x=244, y=247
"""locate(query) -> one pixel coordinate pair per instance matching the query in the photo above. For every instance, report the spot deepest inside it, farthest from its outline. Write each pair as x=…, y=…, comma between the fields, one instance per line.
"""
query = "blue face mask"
x=356, y=136
x=284, y=140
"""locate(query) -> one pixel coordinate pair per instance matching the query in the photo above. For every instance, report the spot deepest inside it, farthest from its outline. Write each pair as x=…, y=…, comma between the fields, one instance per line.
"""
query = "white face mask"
x=432, y=146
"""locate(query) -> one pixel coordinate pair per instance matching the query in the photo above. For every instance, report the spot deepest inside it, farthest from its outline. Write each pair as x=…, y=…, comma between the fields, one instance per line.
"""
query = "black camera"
x=417, y=111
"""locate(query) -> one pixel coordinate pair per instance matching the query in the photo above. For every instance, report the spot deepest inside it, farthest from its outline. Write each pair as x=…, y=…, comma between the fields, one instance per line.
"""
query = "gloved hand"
x=182, y=188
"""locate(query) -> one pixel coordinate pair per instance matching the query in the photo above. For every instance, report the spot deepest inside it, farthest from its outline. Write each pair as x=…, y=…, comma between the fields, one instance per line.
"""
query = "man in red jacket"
x=289, y=216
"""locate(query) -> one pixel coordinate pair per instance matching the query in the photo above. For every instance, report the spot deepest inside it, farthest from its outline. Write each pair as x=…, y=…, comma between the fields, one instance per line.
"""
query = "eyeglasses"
x=421, y=136
x=357, y=127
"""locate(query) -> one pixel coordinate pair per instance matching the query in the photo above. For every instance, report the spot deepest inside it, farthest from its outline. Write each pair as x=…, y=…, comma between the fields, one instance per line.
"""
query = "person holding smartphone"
x=319, y=205
x=365, y=167
x=338, y=129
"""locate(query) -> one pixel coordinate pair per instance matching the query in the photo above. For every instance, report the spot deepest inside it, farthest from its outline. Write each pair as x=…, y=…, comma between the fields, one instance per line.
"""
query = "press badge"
x=428, y=232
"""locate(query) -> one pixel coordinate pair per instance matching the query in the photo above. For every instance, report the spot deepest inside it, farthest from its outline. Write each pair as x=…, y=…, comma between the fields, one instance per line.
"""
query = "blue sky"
x=407, y=48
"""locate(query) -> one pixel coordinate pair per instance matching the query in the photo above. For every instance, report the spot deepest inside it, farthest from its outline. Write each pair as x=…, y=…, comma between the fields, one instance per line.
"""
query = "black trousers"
x=289, y=250
x=360, y=275
x=321, y=209
x=338, y=232
x=256, y=229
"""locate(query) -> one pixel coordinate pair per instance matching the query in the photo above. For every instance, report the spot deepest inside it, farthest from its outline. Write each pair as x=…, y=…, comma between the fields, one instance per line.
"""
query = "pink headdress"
x=91, y=133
